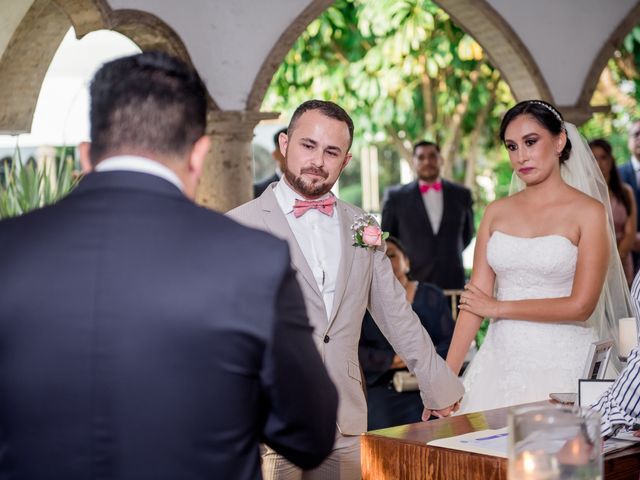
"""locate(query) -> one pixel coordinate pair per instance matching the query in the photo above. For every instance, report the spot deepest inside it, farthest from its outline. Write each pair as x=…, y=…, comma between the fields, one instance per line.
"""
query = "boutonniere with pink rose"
x=366, y=232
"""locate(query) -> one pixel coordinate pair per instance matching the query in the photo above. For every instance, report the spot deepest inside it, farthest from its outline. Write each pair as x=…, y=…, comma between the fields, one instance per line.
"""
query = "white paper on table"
x=619, y=442
x=486, y=442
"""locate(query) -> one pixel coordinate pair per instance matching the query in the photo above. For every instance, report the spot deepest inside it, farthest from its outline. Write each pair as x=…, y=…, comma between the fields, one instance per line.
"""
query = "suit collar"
x=125, y=180
x=277, y=224
x=417, y=205
x=134, y=163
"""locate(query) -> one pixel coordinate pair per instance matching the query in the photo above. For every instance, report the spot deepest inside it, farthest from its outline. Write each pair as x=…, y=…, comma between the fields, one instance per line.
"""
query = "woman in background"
x=386, y=407
x=623, y=205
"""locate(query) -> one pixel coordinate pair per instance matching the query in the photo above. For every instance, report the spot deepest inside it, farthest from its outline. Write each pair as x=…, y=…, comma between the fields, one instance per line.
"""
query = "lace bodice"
x=538, y=267
x=523, y=361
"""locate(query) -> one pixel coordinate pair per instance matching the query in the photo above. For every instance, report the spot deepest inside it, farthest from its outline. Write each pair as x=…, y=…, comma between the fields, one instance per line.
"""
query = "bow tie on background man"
x=425, y=187
x=300, y=207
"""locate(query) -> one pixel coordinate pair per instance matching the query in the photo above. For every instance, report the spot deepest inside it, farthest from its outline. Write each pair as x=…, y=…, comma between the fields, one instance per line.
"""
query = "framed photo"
x=597, y=360
x=589, y=391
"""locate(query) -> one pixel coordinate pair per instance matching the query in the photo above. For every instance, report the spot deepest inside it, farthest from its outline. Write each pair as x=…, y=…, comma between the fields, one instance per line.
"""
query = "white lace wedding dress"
x=522, y=361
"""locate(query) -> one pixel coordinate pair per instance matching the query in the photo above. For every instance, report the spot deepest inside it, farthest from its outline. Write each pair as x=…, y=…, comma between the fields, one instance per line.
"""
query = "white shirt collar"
x=635, y=163
x=287, y=196
x=132, y=163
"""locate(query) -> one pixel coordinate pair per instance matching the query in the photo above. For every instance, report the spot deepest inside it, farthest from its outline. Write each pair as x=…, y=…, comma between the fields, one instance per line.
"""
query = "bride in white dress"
x=548, y=255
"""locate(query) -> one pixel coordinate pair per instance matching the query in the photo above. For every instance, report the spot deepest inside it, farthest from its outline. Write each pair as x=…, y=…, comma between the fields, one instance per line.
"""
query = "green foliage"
x=406, y=72
x=401, y=68
x=482, y=333
x=26, y=187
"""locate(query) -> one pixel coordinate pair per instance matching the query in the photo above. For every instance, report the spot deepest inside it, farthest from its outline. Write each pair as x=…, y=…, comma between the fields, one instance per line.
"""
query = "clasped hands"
x=444, y=412
x=477, y=302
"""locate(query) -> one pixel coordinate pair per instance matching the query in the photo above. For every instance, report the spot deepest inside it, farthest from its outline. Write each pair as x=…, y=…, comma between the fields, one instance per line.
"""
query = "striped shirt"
x=635, y=299
x=620, y=404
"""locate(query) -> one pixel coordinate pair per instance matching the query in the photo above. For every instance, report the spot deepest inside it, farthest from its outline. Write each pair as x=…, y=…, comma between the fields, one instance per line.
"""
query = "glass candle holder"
x=554, y=443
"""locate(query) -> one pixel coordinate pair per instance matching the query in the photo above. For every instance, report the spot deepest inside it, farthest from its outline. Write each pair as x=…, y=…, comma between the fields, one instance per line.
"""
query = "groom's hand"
x=444, y=412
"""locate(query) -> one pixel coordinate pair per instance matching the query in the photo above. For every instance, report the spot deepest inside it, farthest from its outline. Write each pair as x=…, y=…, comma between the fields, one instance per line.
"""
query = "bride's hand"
x=476, y=301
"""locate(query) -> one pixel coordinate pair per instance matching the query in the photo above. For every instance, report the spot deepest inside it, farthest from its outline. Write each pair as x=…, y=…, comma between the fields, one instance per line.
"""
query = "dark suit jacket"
x=261, y=186
x=629, y=176
x=143, y=337
x=434, y=258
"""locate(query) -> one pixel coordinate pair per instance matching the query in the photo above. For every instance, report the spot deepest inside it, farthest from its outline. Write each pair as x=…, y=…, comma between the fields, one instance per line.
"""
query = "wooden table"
x=402, y=453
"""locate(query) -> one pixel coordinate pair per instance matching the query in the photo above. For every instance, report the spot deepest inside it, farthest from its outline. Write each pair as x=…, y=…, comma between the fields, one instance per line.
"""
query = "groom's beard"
x=305, y=187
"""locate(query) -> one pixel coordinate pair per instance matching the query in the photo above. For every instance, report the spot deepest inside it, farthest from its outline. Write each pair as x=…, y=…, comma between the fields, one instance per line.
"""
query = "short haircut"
x=150, y=102
x=276, y=137
x=425, y=143
x=328, y=109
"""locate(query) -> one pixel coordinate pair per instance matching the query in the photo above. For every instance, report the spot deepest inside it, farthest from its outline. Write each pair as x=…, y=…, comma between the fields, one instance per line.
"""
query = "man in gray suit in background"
x=340, y=281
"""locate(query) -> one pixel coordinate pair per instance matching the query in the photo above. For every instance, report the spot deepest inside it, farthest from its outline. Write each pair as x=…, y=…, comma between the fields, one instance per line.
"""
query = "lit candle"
x=628, y=335
x=533, y=466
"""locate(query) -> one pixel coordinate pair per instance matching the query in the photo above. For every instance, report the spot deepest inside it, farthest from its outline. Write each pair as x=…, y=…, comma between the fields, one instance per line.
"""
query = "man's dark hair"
x=150, y=102
x=425, y=143
x=328, y=109
x=276, y=138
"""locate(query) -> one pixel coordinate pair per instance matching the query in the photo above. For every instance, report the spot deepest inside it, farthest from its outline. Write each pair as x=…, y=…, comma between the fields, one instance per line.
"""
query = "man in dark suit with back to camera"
x=144, y=337
x=433, y=218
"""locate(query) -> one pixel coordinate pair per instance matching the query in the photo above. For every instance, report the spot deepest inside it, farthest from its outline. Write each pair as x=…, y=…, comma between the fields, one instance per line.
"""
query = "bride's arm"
x=468, y=323
x=591, y=270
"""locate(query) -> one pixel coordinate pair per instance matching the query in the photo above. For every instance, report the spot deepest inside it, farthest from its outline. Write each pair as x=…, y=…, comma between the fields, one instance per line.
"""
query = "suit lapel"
x=277, y=225
x=632, y=177
x=346, y=257
x=447, y=206
x=417, y=205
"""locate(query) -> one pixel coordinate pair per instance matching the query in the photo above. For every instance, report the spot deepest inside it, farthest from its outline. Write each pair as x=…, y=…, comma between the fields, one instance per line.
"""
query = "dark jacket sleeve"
x=434, y=312
x=374, y=351
x=302, y=400
x=469, y=229
x=389, y=222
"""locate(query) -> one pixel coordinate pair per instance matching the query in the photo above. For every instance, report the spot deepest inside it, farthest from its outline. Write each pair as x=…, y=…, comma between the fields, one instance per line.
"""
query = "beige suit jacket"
x=365, y=280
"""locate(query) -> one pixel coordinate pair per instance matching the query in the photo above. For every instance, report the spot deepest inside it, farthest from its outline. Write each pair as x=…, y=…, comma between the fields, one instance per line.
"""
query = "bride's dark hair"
x=545, y=114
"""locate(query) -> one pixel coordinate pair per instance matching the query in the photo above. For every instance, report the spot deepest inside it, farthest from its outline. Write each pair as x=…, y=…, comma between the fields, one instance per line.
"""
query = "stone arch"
x=25, y=62
x=606, y=52
x=477, y=17
x=32, y=46
x=502, y=45
x=280, y=49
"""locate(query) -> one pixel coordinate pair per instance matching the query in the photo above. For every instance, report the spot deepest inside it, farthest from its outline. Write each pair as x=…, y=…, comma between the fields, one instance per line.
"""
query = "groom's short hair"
x=146, y=103
x=328, y=109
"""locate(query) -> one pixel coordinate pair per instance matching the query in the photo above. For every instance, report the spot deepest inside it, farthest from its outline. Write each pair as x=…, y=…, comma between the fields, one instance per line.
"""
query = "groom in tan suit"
x=339, y=282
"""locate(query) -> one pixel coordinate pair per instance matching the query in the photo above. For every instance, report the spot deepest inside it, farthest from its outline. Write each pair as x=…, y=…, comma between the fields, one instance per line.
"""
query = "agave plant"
x=26, y=187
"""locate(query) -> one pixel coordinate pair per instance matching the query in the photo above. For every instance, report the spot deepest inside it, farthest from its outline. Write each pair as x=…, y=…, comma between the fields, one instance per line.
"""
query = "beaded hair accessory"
x=551, y=109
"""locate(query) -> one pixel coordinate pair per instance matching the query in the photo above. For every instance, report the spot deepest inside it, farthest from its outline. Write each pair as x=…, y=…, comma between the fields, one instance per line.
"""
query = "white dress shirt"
x=318, y=236
x=434, y=204
x=131, y=163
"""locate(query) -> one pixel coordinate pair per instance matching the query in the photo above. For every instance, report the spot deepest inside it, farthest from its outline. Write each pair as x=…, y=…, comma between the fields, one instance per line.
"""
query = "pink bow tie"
x=425, y=187
x=300, y=207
